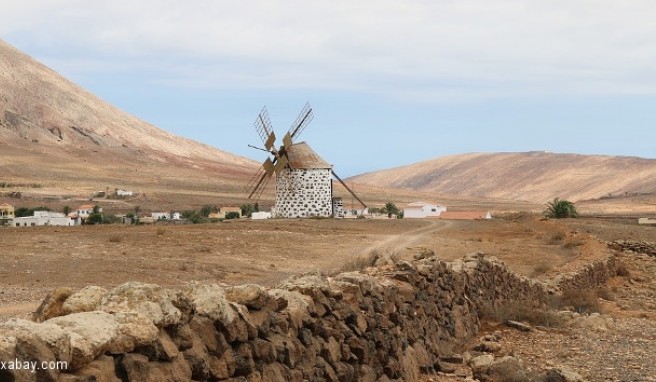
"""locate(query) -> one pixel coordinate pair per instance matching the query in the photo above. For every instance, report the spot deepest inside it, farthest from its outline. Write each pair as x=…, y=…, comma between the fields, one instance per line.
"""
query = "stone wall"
x=390, y=323
x=304, y=193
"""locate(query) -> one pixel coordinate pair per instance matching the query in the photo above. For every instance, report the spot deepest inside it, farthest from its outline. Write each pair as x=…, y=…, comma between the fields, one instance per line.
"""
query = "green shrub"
x=560, y=209
x=232, y=215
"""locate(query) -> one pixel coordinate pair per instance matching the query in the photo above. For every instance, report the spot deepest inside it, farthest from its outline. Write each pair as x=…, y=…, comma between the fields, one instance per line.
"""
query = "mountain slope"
x=534, y=176
x=56, y=134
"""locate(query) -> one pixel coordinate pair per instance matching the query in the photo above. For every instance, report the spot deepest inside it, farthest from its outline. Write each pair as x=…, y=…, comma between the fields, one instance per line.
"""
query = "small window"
x=433, y=210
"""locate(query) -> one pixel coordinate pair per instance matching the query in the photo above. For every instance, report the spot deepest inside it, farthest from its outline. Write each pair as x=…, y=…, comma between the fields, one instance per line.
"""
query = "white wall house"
x=81, y=214
x=41, y=218
x=261, y=215
x=161, y=215
x=120, y=192
x=423, y=210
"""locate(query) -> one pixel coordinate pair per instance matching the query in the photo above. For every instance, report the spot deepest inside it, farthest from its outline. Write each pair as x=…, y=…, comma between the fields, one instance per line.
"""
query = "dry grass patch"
x=622, y=270
x=115, y=238
x=362, y=262
x=541, y=269
x=523, y=311
x=160, y=231
x=556, y=238
x=581, y=301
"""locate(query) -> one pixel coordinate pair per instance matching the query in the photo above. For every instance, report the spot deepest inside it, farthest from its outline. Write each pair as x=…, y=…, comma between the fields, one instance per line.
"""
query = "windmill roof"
x=301, y=155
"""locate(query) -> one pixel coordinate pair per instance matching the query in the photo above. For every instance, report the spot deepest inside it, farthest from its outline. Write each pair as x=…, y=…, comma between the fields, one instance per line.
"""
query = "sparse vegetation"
x=560, y=209
x=581, y=301
x=160, y=231
x=556, y=238
x=115, y=238
x=621, y=270
x=390, y=209
x=232, y=215
x=362, y=262
x=573, y=243
x=541, y=269
x=524, y=311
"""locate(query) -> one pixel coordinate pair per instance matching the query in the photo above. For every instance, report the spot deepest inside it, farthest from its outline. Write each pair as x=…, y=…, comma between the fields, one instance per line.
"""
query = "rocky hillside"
x=533, y=176
x=52, y=130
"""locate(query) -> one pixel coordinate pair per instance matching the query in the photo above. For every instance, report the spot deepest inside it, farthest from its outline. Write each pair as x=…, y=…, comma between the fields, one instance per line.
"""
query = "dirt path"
x=21, y=309
x=402, y=241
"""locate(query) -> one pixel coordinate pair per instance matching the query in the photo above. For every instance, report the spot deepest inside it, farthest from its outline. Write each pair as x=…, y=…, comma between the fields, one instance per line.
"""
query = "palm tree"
x=391, y=209
x=559, y=209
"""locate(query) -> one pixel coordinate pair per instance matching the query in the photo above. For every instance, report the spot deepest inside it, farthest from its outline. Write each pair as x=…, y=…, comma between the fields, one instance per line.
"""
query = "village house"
x=43, y=218
x=7, y=211
x=120, y=192
x=81, y=214
x=423, y=210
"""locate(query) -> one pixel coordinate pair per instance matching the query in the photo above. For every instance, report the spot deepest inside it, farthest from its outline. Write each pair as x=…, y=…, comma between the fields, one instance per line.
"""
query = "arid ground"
x=35, y=260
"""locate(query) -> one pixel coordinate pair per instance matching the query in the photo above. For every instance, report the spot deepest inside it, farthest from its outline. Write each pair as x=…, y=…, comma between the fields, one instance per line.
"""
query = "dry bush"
x=556, y=238
x=115, y=238
x=572, y=243
x=362, y=262
x=514, y=216
x=541, y=269
x=525, y=311
x=581, y=301
x=605, y=293
x=622, y=270
x=160, y=231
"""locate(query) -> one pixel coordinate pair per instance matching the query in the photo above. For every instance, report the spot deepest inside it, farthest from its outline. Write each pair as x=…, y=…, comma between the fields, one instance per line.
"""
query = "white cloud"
x=434, y=49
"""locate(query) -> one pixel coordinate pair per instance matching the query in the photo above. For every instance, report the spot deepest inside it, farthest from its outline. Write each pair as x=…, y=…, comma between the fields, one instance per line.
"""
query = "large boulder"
x=251, y=295
x=52, y=305
x=210, y=301
x=91, y=333
x=86, y=299
x=135, y=329
x=148, y=299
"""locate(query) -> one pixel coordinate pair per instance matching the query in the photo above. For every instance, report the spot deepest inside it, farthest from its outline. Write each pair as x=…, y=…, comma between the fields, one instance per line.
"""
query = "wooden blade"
x=282, y=163
x=304, y=118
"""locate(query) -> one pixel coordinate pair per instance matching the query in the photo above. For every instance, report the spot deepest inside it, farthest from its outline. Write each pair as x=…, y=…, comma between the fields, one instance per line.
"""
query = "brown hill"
x=62, y=138
x=534, y=176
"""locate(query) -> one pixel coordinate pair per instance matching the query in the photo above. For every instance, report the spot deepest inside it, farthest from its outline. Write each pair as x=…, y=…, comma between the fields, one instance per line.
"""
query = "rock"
x=102, y=369
x=488, y=346
x=52, y=305
x=57, y=340
x=91, y=333
x=502, y=369
x=148, y=299
x=137, y=368
x=85, y=300
x=481, y=361
x=518, y=325
x=251, y=295
x=563, y=374
x=135, y=330
x=210, y=301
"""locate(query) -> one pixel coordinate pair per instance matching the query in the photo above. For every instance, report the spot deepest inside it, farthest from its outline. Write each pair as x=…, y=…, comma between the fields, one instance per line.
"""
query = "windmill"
x=303, y=178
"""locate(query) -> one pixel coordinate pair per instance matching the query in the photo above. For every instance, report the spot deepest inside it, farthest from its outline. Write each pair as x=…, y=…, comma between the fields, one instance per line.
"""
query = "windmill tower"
x=303, y=179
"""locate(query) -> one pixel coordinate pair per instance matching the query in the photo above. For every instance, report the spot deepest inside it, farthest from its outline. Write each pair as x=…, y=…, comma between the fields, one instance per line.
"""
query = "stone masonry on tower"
x=305, y=188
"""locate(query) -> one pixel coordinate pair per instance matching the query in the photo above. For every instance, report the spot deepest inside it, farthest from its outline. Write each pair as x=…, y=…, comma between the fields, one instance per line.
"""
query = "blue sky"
x=391, y=82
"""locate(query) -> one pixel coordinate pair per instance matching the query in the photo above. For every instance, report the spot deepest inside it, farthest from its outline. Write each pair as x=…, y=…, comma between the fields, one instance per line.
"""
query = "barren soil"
x=35, y=260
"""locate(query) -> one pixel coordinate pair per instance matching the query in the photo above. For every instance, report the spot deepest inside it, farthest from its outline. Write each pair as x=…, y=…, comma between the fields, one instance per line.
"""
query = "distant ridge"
x=530, y=176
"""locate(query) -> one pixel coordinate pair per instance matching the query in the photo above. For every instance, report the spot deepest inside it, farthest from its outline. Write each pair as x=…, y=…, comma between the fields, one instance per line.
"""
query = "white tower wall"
x=302, y=193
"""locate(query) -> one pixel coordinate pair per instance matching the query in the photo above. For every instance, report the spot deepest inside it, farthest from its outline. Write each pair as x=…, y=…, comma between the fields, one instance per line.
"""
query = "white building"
x=304, y=188
x=124, y=193
x=422, y=210
x=42, y=218
x=261, y=215
x=161, y=215
x=81, y=214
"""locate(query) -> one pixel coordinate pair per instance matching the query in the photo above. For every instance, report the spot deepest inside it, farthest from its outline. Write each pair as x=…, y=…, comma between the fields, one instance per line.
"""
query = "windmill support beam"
x=347, y=187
